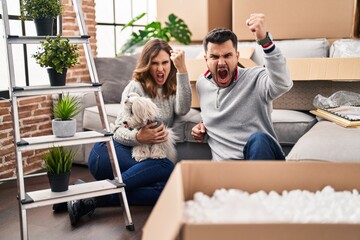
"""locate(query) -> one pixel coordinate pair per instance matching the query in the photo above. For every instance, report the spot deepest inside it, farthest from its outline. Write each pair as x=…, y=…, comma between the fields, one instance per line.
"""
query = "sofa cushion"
x=298, y=48
x=91, y=119
x=328, y=141
x=114, y=74
x=290, y=125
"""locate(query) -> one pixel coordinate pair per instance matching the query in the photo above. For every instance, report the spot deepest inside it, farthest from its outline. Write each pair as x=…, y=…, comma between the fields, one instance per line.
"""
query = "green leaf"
x=131, y=23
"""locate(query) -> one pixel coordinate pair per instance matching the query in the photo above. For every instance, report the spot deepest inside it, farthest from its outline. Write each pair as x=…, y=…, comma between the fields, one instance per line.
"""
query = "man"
x=236, y=103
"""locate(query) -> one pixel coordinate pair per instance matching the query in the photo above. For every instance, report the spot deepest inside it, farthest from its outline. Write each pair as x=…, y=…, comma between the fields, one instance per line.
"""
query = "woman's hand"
x=178, y=58
x=198, y=132
x=149, y=135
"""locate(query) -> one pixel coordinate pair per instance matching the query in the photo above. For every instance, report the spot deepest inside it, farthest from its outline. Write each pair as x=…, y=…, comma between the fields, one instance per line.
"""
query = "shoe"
x=79, y=208
x=59, y=207
x=62, y=207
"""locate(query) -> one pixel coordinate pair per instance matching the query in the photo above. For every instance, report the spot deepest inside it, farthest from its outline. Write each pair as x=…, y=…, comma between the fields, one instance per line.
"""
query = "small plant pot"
x=64, y=128
x=59, y=182
x=57, y=79
x=44, y=26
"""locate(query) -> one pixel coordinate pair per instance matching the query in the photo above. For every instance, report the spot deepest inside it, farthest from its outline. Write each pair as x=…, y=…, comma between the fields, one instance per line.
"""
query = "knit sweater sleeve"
x=276, y=75
x=122, y=134
x=183, y=94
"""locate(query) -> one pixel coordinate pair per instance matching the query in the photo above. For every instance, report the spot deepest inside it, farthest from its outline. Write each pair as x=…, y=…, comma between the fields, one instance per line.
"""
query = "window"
x=112, y=15
x=25, y=67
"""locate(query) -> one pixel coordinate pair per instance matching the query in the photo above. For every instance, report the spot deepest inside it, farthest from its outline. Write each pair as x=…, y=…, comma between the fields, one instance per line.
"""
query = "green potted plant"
x=58, y=162
x=58, y=54
x=65, y=108
x=175, y=28
x=43, y=12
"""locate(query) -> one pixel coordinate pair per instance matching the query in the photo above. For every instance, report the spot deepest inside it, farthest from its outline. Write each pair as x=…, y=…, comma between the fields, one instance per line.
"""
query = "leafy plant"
x=37, y=9
x=59, y=159
x=66, y=107
x=57, y=53
x=175, y=28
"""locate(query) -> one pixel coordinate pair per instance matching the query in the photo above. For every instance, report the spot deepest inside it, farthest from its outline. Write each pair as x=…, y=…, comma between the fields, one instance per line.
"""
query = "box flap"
x=335, y=69
x=298, y=19
x=165, y=219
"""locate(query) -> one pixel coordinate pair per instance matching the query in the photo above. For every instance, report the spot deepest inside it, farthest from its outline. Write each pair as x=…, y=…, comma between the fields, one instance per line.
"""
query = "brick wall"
x=35, y=112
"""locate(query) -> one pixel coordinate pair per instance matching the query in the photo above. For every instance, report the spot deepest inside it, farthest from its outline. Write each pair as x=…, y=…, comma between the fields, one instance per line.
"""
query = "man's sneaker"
x=79, y=208
x=60, y=207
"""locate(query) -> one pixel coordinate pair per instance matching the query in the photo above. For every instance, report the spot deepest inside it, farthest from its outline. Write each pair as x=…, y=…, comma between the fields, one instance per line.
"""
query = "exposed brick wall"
x=35, y=112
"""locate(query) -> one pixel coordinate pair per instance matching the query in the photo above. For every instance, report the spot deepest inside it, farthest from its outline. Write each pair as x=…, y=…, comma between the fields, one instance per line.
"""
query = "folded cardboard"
x=294, y=19
x=333, y=69
x=166, y=220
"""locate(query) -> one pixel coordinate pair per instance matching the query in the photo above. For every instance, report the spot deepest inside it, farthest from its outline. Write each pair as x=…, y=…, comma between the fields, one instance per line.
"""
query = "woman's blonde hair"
x=142, y=71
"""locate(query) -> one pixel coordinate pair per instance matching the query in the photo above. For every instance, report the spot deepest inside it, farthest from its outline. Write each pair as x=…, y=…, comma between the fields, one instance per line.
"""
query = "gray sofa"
x=291, y=118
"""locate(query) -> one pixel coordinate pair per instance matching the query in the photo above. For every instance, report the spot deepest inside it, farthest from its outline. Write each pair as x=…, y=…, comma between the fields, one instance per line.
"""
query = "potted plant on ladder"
x=43, y=12
x=58, y=162
x=65, y=108
x=58, y=54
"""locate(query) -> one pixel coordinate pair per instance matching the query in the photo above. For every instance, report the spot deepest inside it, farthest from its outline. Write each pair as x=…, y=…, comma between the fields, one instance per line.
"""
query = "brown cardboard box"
x=166, y=219
x=200, y=15
x=294, y=19
x=313, y=76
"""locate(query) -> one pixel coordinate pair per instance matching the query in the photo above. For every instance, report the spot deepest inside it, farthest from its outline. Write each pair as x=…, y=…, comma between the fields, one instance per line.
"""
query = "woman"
x=160, y=75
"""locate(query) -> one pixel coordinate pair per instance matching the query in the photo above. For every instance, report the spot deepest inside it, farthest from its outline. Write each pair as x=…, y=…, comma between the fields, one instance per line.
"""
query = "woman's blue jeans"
x=144, y=180
x=261, y=146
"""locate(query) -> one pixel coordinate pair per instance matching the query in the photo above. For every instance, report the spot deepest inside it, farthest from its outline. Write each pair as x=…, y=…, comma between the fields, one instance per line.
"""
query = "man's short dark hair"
x=218, y=36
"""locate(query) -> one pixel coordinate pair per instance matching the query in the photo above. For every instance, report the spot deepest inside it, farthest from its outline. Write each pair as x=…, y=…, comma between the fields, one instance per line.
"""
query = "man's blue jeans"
x=144, y=180
x=261, y=146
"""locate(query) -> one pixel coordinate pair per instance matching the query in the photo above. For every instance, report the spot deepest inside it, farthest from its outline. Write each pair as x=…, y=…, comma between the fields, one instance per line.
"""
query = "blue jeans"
x=261, y=146
x=144, y=180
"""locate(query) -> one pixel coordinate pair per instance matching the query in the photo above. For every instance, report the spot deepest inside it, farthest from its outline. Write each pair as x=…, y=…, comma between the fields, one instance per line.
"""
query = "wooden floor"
x=43, y=223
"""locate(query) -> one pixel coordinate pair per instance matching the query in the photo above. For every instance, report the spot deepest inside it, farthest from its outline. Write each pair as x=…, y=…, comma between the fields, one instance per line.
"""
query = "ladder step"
x=13, y=39
x=79, y=191
x=47, y=89
x=41, y=142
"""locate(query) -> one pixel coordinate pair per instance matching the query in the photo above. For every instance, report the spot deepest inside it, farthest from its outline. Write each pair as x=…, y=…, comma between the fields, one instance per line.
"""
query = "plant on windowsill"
x=175, y=28
x=58, y=163
x=58, y=54
x=65, y=108
x=43, y=12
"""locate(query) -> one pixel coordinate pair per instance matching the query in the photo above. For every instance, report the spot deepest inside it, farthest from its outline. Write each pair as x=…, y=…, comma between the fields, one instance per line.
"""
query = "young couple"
x=236, y=105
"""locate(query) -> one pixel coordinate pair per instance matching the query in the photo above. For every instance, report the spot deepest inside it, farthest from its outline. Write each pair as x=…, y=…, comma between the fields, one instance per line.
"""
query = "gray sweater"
x=178, y=104
x=233, y=113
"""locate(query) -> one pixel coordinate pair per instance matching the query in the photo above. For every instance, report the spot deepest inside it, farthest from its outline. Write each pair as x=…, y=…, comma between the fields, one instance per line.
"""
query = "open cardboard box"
x=166, y=219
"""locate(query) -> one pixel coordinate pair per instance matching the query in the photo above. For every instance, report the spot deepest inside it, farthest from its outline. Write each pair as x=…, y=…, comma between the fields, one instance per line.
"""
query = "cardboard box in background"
x=201, y=16
x=166, y=219
x=294, y=19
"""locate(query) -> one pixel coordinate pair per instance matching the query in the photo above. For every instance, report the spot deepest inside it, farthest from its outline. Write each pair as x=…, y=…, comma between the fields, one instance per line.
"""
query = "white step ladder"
x=28, y=200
